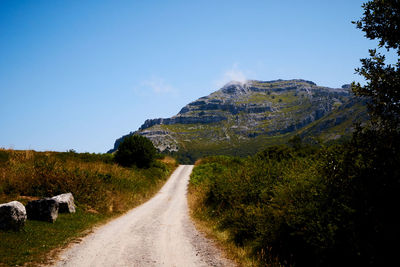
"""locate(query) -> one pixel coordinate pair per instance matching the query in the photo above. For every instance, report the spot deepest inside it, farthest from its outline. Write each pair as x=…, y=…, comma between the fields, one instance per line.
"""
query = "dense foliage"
x=136, y=150
x=330, y=207
x=381, y=21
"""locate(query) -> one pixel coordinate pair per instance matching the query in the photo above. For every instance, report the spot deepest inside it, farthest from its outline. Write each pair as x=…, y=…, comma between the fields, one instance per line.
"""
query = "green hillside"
x=243, y=118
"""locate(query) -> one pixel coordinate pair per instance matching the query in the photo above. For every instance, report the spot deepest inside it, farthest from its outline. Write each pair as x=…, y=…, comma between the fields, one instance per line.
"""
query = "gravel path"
x=157, y=233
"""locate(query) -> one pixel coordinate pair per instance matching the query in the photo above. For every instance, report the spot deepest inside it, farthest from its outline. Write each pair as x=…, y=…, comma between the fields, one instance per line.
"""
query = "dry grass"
x=198, y=162
x=95, y=184
x=168, y=160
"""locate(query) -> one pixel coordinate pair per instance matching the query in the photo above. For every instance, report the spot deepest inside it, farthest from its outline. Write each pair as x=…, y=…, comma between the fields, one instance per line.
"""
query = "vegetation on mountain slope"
x=243, y=118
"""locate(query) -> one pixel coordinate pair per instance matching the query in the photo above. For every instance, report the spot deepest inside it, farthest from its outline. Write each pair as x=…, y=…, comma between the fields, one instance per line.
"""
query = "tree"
x=136, y=150
x=381, y=21
x=366, y=179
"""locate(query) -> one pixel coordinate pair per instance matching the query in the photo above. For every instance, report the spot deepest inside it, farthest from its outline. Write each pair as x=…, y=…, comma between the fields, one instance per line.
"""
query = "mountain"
x=242, y=118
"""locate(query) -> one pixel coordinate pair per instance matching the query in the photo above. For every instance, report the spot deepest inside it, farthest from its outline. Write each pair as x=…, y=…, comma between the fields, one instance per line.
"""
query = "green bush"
x=136, y=150
x=305, y=210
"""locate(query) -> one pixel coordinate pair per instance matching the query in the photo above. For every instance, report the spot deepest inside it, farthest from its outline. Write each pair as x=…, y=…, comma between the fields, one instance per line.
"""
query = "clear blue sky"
x=79, y=74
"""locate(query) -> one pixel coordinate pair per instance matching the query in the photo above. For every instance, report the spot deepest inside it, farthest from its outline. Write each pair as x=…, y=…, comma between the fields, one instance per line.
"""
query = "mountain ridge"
x=239, y=113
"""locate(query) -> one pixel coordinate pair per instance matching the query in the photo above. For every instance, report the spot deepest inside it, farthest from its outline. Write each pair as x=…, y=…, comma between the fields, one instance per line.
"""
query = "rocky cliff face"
x=254, y=112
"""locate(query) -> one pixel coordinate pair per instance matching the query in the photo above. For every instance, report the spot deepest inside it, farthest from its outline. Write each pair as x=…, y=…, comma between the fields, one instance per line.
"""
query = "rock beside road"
x=45, y=209
x=12, y=216
x=65, y=202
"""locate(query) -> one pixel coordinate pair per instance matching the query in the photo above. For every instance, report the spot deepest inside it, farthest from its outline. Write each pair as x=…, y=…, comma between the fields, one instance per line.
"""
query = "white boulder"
x=66, y=203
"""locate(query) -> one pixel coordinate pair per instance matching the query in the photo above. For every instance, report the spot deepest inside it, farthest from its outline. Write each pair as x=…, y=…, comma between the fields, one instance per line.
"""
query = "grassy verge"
x=33, y=244
x=242, y=256
x=102, y=190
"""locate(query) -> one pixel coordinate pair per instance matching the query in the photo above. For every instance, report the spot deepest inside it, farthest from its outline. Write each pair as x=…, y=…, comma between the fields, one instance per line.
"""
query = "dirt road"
x=157, y=233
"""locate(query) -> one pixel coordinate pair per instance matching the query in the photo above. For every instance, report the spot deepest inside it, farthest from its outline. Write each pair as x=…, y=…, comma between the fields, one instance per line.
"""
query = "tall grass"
x=96, y=183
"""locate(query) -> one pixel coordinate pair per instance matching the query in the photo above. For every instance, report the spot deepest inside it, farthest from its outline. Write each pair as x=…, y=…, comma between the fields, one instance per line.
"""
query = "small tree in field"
x=135, y=150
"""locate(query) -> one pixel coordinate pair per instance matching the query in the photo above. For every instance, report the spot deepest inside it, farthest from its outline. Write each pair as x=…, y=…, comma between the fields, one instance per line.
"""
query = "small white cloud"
x=158, y=86
x=234, y=74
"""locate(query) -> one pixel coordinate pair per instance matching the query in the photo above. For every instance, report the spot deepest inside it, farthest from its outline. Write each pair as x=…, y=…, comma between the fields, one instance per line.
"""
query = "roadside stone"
x=12, y=216
x=45, y=209
x=66, y=203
